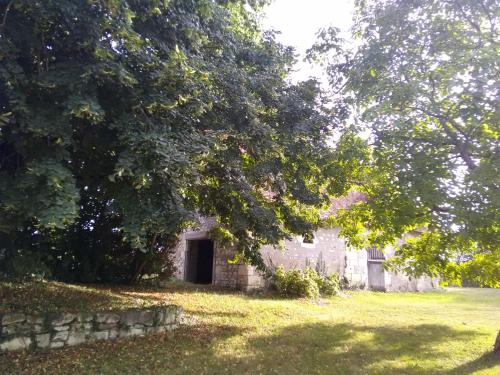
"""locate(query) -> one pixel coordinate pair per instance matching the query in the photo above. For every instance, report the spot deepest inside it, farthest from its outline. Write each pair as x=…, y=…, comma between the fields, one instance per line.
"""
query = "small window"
x=374, y=254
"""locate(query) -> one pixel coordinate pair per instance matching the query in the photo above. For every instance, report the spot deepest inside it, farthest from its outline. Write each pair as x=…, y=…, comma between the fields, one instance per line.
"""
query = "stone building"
x=200, y=260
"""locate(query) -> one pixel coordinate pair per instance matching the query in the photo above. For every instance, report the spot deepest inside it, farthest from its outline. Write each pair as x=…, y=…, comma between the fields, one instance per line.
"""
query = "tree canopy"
x=122, y=120
x=422, y=83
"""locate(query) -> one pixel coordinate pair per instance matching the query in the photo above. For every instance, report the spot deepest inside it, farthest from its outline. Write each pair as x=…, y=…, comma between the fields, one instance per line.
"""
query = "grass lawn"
x=445, y=332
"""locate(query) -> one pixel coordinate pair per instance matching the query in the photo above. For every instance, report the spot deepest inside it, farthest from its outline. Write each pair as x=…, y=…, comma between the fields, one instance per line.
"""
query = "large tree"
x=422, y=85
x=134, y=116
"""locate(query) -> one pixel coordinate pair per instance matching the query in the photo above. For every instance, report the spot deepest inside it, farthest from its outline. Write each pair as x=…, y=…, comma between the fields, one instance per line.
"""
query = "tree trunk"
x=138, y=272
x=496, y=348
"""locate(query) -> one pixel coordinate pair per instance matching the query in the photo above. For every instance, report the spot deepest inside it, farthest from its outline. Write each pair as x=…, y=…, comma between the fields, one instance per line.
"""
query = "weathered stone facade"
x=327, y=250
x=19, y=331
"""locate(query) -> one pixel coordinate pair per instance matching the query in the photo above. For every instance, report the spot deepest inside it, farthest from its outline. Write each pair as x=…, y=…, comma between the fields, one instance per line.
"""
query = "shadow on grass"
x=315, y=348
x=347, y=348
x=486, y=361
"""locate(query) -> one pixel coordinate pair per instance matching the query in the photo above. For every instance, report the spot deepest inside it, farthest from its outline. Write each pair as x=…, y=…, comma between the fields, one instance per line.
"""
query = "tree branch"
x=4, y=19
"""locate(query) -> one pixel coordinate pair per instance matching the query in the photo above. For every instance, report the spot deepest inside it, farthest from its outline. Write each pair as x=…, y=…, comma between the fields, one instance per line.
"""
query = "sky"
x=299, y=20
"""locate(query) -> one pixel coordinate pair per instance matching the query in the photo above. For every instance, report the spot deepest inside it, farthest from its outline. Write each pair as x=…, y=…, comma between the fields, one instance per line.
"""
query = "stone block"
x=244, y=271
x=132, y=332
x=43, y=340
x=107, y=318
x=85, y=318
x=113, y=334
x=137, y=331
x=79, y=326
x=60, y=328
x=13, y=318
x=106, y=326
x=75, y=338
x=63, y=319
x=60, y=336
x=9, y=330
x=16, y=343
x=170, y=317
x=167, y=315
x=35, y=320
x=39, y=328
x=132, y=317
x=56, y=344
x=124, y=332
x=99, y=335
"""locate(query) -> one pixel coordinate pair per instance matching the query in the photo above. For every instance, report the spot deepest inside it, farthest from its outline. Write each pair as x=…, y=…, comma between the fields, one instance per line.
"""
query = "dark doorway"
x=199, y=261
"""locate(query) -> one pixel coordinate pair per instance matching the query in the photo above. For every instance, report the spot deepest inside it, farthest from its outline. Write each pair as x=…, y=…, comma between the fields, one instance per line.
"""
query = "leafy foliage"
x=121, y=121
x=304, y=283
x=422, y=82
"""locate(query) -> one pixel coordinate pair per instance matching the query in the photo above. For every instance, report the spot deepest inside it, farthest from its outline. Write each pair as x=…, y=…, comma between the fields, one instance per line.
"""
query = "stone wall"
x=20, y=331
x=327, y=248
x=228, y=273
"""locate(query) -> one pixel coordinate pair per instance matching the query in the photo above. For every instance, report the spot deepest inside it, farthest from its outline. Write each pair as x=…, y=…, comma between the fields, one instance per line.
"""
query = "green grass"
x=445, y=332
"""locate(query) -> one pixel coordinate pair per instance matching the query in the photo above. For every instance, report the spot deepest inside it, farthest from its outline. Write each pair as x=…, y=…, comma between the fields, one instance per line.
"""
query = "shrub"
x=307, y=283
x=330, y=285
x=295, y=283
x=23, y=265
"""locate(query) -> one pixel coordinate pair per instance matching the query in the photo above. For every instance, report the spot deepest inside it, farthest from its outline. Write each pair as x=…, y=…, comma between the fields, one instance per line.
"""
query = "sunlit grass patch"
x=449, y=332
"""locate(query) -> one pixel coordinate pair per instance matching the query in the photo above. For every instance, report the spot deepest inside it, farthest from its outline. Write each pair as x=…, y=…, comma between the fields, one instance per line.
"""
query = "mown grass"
x=445, y=332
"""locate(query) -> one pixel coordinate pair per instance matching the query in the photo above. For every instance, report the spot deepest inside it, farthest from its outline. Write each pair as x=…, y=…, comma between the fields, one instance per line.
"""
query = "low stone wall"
x=21, y=331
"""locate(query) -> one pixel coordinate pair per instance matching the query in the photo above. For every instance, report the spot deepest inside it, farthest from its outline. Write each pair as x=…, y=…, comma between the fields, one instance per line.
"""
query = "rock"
x=35, y=320
x=60, y=336
x=56, y=344
x=78, y=326
x=13, y=318
x=107, y=318
x=106, y=326
x=38, y=328
x=18, y=329
x=170, y=317
x=99, y=335
x=132, y=317
x=124, y=332
x=113, y=334
x=63, y=319
x=85, y=318
x=61, y=328
x=43, y=340
x=75, y=338
x=131, y=332
x=16, y=343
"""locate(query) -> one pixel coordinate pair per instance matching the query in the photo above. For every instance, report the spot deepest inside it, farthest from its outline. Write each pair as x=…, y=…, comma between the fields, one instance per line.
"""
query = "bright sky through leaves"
x=299, y=21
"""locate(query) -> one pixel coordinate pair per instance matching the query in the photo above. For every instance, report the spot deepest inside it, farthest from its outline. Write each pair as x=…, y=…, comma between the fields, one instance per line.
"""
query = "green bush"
x=330, y=285
x=295, y=283
x=24, y=265
x=304, y=283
